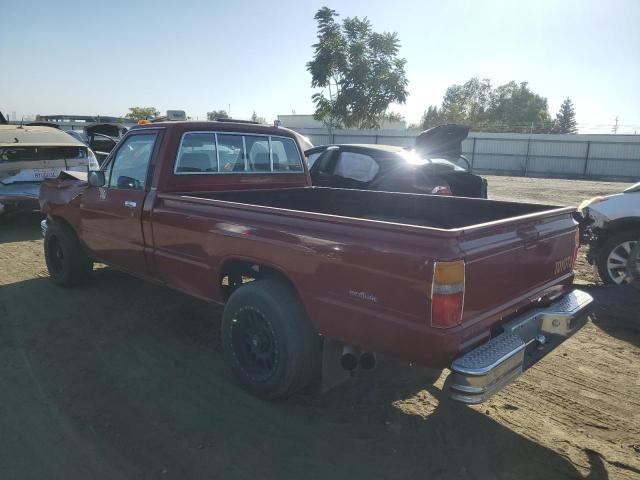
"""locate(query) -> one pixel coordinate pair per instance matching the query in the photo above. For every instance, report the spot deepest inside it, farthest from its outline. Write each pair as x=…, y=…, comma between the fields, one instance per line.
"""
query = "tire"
x=268, y=341
x=633, y=266
x=613, y=253
x=67, y=262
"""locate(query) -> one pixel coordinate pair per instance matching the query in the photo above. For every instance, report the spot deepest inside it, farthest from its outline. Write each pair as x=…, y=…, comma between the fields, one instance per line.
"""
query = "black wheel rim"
x=55, y=255
x=254, y=343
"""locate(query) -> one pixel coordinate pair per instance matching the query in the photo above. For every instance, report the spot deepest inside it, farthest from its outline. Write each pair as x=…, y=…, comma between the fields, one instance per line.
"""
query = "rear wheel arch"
x=253, y=270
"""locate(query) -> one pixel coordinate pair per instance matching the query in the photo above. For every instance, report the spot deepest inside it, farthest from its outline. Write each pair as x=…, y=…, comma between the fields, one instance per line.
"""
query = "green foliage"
x=566, y=118
x=217, y=114
x=392, y=117
x=515, y=108
x=141, y=113
x=467, y=103
x=511, y=107
x=431, y=118
x=256, y=118
x=358, y=71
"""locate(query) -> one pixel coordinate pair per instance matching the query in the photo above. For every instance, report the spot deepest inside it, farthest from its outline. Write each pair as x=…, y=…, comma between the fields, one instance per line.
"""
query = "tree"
x=217, y=114
x=141, y=113
x=566, y=118
x=466, y=103
x=511, y=107
x=431, y=118
x=257, y=119
x=358, y=70
x=515, y=108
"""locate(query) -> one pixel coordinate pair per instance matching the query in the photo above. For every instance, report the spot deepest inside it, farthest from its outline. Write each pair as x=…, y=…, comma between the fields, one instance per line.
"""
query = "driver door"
x=111, y=216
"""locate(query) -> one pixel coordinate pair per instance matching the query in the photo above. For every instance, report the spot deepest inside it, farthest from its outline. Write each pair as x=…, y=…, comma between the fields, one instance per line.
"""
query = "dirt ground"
x=123, y=379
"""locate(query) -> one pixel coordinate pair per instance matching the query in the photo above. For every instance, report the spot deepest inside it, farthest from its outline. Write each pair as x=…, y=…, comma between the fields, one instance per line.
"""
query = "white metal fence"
x=615, y=157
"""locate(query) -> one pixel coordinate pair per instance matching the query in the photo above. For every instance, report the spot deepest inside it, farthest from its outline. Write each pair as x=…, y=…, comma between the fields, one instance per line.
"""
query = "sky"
x=89, y=58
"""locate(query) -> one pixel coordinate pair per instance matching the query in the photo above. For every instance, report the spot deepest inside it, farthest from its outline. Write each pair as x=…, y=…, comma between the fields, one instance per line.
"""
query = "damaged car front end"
x=610, y=226
x=31, y=154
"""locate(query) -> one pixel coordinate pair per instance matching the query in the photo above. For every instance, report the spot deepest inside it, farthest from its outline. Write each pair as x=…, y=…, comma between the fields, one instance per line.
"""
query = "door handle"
x=130, y=204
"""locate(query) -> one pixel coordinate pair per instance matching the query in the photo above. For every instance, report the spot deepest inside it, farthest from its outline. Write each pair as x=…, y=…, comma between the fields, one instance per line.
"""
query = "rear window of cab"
x=203, y=153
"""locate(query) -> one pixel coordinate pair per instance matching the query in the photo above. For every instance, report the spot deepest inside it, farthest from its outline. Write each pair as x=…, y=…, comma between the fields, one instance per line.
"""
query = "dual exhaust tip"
x=352, y=357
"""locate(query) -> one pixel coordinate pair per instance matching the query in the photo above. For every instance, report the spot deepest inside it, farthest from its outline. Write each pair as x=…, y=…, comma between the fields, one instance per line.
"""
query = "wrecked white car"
x=30, y=154
x=610, y=225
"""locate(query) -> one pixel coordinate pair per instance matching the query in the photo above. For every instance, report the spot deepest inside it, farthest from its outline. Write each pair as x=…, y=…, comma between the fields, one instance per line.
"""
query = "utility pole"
x=615, y=127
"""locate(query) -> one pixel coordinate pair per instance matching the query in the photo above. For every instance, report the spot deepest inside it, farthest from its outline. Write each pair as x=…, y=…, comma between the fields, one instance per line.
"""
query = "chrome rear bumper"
x=483, y=371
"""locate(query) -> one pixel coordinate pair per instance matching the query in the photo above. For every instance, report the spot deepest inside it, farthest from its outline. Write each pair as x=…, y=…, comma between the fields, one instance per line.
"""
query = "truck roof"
x=215, y=125
x=229, y=126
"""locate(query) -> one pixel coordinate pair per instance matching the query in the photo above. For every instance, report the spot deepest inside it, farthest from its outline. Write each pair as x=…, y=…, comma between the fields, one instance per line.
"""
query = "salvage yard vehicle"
x=29, y=154
x=317, y=278
x=610, y=225
x=430, y=168
x=100, y=137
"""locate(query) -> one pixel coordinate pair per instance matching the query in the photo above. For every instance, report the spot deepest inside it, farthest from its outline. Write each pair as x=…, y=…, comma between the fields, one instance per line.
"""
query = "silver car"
x=30, y=154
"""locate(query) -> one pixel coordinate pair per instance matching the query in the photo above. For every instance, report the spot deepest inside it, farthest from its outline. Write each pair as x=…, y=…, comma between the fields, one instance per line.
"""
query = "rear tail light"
x=440, y=190
x=447, y=294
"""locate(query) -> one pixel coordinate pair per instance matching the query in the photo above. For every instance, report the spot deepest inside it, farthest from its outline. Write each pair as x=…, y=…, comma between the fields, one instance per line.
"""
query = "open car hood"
x=443, y=141
x=113, y=130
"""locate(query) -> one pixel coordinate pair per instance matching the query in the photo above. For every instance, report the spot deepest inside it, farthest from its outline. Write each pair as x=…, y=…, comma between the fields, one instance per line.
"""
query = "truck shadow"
x=616, y=311
x=20, y=226
x=120, y=376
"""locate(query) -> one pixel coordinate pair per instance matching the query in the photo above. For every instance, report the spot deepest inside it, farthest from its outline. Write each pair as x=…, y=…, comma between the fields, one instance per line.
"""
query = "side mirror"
x=96, y=178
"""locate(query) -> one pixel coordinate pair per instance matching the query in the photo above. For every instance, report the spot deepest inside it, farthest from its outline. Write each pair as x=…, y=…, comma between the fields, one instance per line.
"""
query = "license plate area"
x=44, y=173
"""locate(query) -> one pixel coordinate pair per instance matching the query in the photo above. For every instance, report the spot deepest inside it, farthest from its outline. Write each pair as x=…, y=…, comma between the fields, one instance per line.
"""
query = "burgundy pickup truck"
x=317, y=278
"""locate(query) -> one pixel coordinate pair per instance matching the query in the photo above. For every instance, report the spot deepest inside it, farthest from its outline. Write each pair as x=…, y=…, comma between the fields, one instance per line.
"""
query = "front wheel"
x=633, y=265
x=613, y=256
x=67, y=262
x=268, y=340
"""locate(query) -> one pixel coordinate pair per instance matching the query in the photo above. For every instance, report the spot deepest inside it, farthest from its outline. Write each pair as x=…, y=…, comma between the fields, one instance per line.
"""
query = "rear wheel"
x=268, y=340
x=67, y=262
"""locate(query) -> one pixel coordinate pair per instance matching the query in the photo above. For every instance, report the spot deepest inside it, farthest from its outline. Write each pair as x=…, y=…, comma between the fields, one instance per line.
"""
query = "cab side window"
x=286, y=157
x=129, y=167
x=198, y=153
x=356, y=166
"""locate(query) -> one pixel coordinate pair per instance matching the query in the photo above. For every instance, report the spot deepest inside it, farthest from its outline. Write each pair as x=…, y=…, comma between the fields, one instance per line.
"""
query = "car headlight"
x=591, y=201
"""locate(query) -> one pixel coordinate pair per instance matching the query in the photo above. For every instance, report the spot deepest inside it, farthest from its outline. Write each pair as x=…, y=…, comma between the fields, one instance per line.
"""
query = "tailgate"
x=514, y=261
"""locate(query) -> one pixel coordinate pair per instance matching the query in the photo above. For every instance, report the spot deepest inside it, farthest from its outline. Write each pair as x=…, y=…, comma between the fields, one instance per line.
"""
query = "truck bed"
x=434, y=211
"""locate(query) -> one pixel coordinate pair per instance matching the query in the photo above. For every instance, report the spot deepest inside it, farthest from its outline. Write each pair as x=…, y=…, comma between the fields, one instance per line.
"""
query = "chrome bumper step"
x=483, y=371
